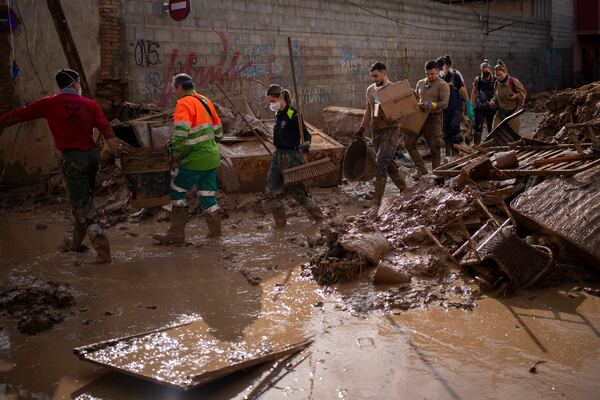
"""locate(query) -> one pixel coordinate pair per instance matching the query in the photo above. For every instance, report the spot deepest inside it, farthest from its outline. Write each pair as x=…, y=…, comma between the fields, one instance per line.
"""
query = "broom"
x=308, y=170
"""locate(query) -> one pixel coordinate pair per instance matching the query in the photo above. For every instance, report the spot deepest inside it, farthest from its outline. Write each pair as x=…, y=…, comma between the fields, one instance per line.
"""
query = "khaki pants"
x=432, y=132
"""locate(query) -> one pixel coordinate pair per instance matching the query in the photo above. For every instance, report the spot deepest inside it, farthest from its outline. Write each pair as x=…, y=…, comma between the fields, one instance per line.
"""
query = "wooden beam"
x=68, y=45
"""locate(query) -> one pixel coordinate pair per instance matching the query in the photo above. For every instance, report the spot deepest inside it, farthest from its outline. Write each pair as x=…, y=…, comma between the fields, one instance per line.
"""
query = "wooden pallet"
x=526, y=155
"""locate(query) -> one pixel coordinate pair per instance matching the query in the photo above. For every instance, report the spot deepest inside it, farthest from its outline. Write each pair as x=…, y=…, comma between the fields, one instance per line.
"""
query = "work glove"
x=470, y=112
x=427, y=106
x=305, y=148
x=359, y=133
x=118, y=164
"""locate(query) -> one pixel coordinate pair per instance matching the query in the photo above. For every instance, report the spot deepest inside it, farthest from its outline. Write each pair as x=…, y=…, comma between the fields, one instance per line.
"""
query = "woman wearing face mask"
x=509, y=96
x=288, y=154
x=482, y=94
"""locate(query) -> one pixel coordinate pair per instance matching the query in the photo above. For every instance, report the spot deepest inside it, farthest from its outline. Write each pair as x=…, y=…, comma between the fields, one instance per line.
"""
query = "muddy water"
x=431, y=353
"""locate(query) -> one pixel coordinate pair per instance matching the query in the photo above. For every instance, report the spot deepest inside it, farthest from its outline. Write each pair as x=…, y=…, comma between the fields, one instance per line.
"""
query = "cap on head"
x=65, y=77
x=183, y=80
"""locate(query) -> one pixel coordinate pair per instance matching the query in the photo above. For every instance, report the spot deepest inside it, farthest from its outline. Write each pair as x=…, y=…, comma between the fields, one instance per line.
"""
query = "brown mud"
x=434, y=336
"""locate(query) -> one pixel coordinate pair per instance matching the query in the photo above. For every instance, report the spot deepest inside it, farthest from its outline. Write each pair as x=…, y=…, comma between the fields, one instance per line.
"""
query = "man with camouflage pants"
x=433, y=94
x=386, y=136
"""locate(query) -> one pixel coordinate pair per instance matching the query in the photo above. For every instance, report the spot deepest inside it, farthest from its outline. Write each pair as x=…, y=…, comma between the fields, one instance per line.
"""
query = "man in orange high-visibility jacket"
x=195, y=150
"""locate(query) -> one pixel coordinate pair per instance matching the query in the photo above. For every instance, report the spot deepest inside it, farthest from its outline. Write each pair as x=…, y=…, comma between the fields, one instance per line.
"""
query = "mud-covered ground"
x=433, y=336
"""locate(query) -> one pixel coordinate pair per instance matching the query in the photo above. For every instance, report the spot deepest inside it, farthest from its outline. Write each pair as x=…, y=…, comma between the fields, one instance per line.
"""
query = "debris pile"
x=35, y=304
x=536, y=102
x=398, y=242
x=233, y=125
x=577, y=106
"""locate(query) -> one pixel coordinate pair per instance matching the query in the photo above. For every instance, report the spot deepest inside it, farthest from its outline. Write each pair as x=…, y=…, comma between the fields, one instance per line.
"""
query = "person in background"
x=386, y=135
x=72, y=119
x=288, y=153
x=432, y=95
x=482, y=94
x=509, y=96
x=452, y=113
x=195, y=156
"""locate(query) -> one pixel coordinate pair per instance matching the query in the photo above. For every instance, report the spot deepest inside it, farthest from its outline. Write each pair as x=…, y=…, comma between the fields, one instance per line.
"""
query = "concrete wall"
x=334, y=44
x=34, y=153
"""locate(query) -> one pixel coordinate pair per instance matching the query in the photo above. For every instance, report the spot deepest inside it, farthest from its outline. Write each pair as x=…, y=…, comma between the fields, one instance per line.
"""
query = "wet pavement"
x=421, y=353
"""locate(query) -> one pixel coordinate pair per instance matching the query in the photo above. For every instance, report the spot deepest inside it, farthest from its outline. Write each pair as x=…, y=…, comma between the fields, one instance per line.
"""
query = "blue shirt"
x=455, y=82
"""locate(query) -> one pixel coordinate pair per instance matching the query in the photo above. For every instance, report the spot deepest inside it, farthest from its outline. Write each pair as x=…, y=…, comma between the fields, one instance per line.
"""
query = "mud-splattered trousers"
x=79, y=171
x=385, y=141
x=275, y=190
x=431, y=131
x=205, y=183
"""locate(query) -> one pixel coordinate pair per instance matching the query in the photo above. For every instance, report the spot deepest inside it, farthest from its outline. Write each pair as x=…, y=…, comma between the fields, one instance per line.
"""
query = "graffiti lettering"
x=146, y=53
x=204, y=75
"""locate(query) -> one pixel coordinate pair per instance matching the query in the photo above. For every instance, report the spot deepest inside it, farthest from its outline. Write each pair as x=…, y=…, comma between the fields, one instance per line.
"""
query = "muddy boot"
x=72, y=241
x=378, y=196
x=315, y=211
x=79, y=231
x=477, y=138
x=279, y=217
x=419, y=174
x=399, y=181
x=176, y=232
x=213, y=221
x=100, y=244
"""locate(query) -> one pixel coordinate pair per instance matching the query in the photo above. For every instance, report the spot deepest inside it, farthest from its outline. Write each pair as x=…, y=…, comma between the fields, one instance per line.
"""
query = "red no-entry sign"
x=179, y=9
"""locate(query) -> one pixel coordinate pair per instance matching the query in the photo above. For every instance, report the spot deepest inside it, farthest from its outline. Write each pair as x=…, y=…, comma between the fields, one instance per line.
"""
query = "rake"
x=308, y=170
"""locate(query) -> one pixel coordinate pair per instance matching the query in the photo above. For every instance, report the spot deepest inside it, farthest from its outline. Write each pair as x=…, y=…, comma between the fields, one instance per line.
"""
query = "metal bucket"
x=359, y=161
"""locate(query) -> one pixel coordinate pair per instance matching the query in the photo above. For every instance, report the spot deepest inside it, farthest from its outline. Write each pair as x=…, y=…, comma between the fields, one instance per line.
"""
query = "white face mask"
x=442, y=74
x=275, y=106
x=79, y=91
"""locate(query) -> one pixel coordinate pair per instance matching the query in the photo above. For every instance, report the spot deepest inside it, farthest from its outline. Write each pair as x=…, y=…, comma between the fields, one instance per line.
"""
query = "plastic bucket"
x=359, y=161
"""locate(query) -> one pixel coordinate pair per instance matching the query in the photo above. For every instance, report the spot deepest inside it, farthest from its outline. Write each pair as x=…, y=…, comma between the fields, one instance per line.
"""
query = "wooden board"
x=526, y=155
x=185, y=356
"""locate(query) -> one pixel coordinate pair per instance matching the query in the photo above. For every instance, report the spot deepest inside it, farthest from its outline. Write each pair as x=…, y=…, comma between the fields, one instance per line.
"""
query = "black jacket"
x=286, y=135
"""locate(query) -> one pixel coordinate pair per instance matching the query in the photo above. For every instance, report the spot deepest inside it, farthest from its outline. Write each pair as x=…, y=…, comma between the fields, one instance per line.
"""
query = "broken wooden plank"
x=469, y=238
x=441, y=246
x=68, y=44
x=189, y=355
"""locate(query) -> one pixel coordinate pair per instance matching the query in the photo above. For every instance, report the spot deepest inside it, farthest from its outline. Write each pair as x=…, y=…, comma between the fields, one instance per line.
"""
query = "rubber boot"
x=278, y=214
x=213, y=221
x=176, y=232
x=379, y=189
x=73, y=240
x=420, y=173
x=100, y=244
x=399, y=181
x=79, y=232
x=314, y=210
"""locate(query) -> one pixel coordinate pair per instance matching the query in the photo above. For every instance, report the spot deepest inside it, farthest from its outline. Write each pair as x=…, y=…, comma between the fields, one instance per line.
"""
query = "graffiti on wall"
x=256, y=64
x=146, y=53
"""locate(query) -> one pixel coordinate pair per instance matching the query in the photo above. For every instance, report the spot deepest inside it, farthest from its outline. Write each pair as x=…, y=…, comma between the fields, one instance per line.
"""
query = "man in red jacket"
x=72, y=118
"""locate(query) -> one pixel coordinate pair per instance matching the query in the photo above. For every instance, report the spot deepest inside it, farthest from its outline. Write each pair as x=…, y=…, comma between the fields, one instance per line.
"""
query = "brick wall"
x=334, y=43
